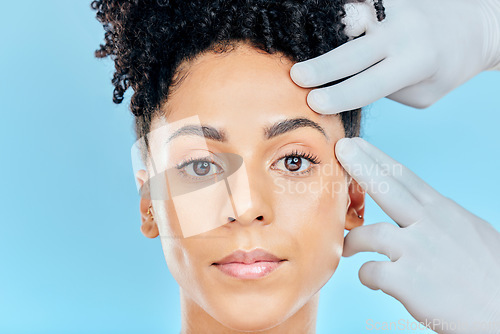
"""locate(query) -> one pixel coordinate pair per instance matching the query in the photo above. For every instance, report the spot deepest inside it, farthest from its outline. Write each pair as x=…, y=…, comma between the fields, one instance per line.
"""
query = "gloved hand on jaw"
x=445, y=261
x=422, y=50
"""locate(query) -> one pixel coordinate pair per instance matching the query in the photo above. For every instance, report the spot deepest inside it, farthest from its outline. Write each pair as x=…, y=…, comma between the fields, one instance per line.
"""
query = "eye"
x=199, y=168
x=296, y=163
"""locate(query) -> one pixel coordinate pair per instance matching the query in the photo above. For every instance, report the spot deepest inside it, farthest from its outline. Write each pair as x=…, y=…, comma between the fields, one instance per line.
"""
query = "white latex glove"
x=445, y=261
x=423, y=49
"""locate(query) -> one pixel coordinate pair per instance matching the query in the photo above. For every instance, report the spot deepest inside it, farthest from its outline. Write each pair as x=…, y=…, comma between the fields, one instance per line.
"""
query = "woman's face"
x=298, y=206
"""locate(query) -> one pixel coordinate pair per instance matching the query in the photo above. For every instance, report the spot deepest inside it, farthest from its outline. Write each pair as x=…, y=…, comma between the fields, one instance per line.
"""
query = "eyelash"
x=313, y=159
x=189, y=161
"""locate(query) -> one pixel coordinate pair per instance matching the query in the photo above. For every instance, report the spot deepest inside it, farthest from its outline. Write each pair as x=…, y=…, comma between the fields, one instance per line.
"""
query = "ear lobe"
x=148, y=224
x=356, y=206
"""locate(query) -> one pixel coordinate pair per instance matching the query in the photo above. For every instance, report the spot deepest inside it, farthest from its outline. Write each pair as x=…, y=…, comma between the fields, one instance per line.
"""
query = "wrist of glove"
x=491, y=26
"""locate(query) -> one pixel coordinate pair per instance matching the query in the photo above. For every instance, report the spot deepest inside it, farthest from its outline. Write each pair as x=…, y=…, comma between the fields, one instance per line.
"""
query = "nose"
x=251, y=197
x=231, y=219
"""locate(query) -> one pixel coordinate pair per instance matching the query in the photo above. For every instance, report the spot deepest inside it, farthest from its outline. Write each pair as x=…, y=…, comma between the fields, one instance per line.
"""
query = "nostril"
x=231, y=219
x=260, y=218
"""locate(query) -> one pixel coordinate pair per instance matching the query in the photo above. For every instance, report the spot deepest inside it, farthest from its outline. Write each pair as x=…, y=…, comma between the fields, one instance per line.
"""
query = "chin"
x=249, y=323
x=257, y=315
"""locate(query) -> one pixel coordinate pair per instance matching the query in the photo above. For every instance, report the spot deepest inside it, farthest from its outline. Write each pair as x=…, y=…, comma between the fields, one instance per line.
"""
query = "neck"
x=195, y=320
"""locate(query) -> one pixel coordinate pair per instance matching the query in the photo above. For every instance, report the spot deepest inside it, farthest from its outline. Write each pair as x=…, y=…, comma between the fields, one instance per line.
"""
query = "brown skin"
x=241, y=92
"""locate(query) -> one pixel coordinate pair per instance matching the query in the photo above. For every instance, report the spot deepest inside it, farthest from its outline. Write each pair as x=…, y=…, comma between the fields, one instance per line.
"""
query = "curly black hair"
x=149, y=39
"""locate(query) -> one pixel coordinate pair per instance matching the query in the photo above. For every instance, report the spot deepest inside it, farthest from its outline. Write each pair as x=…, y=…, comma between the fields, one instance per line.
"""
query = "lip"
x=249, y=265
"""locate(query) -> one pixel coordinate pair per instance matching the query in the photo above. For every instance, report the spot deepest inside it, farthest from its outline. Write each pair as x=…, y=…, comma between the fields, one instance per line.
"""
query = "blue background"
x=72, y=257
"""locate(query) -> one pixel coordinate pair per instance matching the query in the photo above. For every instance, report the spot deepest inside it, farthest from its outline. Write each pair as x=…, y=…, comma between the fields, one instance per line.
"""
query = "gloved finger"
x=422, y=191
x=420, y=95
x=379, y=275
x=383, y=238
x=348, y=59
x=360, y=16
x=376, y=82
x=379, y=182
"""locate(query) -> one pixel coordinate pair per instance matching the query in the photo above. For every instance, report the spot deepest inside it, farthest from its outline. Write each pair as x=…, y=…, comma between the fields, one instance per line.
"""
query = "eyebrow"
x=272, y=131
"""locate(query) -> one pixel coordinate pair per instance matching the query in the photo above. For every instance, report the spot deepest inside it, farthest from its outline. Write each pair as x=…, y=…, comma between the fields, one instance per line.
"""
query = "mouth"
x=249, y=265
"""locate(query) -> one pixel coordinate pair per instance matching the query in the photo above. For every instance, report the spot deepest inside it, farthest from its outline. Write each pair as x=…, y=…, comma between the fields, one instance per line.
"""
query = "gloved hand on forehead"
x=445, y=261
x=422, y=50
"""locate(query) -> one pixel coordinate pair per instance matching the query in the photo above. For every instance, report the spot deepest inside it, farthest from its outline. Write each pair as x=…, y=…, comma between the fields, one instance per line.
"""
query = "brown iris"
x=201, y=168
x=293, y=163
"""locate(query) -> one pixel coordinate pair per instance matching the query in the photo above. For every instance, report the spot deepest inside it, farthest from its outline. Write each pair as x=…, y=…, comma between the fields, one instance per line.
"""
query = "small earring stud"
x=360, y=216
x=149, y=211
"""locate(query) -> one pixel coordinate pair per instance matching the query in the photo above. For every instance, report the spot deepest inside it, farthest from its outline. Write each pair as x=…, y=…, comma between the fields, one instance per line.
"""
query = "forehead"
x=244, y=86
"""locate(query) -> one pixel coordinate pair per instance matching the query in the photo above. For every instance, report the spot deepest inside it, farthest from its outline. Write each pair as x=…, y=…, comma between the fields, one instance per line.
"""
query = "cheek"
x=313, y=206
x=166, y=218
x=314, y=219
x=170, y=236
x=178, y=251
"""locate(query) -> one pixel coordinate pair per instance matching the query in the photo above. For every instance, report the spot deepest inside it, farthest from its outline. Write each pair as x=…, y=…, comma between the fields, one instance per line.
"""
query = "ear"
x=355, y=206
x=149, y=227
